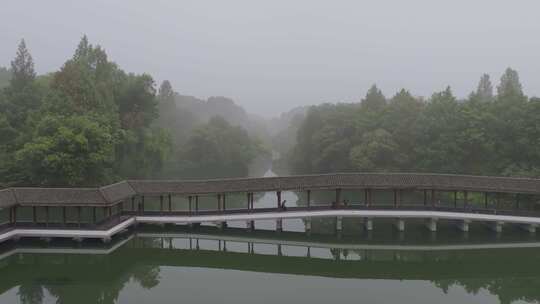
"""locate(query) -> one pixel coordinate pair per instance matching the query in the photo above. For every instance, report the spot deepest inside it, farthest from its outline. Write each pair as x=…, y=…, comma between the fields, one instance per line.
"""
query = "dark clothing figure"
x=283, y=205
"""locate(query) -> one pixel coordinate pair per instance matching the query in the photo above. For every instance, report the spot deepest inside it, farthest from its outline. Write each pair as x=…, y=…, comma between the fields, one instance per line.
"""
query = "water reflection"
x=147, y=262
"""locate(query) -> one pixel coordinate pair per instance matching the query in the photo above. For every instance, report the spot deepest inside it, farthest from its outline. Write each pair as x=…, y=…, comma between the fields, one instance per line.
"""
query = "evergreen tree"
x=22, y=68
x=510, y=87
x=484, y=92
x=374, y=99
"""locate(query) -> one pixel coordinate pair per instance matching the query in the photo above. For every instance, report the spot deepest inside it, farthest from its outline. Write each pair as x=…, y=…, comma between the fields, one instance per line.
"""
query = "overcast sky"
x=270, y=56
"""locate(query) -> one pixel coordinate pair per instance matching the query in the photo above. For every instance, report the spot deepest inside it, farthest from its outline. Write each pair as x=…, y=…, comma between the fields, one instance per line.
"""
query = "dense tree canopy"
x=218, y=149
x=484, y=134
x=92, y=123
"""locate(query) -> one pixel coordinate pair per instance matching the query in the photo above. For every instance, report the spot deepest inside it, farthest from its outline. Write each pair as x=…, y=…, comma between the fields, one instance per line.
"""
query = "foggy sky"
x=270, y=56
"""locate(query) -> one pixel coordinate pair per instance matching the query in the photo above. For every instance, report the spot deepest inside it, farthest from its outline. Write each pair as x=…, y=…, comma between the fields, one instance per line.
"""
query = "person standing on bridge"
x=283, y=207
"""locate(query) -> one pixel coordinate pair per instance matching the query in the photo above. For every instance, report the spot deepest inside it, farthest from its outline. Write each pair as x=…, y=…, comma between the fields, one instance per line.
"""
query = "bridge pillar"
x=250, y=225
x=463, y=225
x=279, y=225
x=339, y=223
x=431, y=224
x=307, y=223
x=400, y=224
x=496, y=226
x=368, y=223
x=221, y=225
x=531, y=228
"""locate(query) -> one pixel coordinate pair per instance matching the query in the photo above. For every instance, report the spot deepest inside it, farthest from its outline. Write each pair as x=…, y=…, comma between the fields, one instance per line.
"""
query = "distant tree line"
x=487, y=133
x=92, y=123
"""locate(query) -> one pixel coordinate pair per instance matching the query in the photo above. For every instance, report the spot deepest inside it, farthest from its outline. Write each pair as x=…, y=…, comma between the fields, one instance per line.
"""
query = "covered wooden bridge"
x=101, y=212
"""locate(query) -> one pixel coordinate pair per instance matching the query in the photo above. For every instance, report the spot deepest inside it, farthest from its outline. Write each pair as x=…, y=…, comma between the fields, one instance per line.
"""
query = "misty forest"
x=91, y=123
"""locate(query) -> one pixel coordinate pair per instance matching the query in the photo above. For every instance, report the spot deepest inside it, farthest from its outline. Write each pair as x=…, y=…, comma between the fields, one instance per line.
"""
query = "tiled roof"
x=344, y=181
x=123, y=190
x=59, y=196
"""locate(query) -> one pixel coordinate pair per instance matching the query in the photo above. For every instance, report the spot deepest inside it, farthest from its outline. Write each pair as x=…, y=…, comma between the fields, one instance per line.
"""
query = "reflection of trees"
x=147, y=276
x=508, y=290
x=30, y=294
x=507, y=274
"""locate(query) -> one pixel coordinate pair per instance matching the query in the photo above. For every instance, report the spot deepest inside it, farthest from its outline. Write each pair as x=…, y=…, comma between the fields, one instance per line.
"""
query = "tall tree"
x=484, y=92
x=510, y=88
x=22, y=68
x=374, y=99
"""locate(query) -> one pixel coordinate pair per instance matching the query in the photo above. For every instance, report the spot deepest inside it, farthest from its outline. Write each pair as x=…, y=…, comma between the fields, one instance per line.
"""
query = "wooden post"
x=248, y=201
x=94, y=217
x=366, y=197
x=278, y=193
x=455, y=199
x=170, y=203
x=79, y=216
x=425, y=197
x=224, y=202
x=47, y=216
x=34, y=215
x=64, y=217
x=338, y=197
x=309, y=198
x=517, y=201
x=485, y=200
x=142, y=204
x=161, y=204
x=15, y=215
x=133, y=203
x=465, y=199
x=395, y=198
x=189, y=204
x=432, y=197
x=196, y=204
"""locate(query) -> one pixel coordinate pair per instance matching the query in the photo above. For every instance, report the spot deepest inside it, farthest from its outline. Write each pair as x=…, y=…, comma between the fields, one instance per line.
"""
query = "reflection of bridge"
x=105, y=270
x=103, y=212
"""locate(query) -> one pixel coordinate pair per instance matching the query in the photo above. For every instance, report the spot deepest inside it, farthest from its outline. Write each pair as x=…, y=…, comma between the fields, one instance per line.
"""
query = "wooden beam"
x=309, y=198
x=170, y=203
